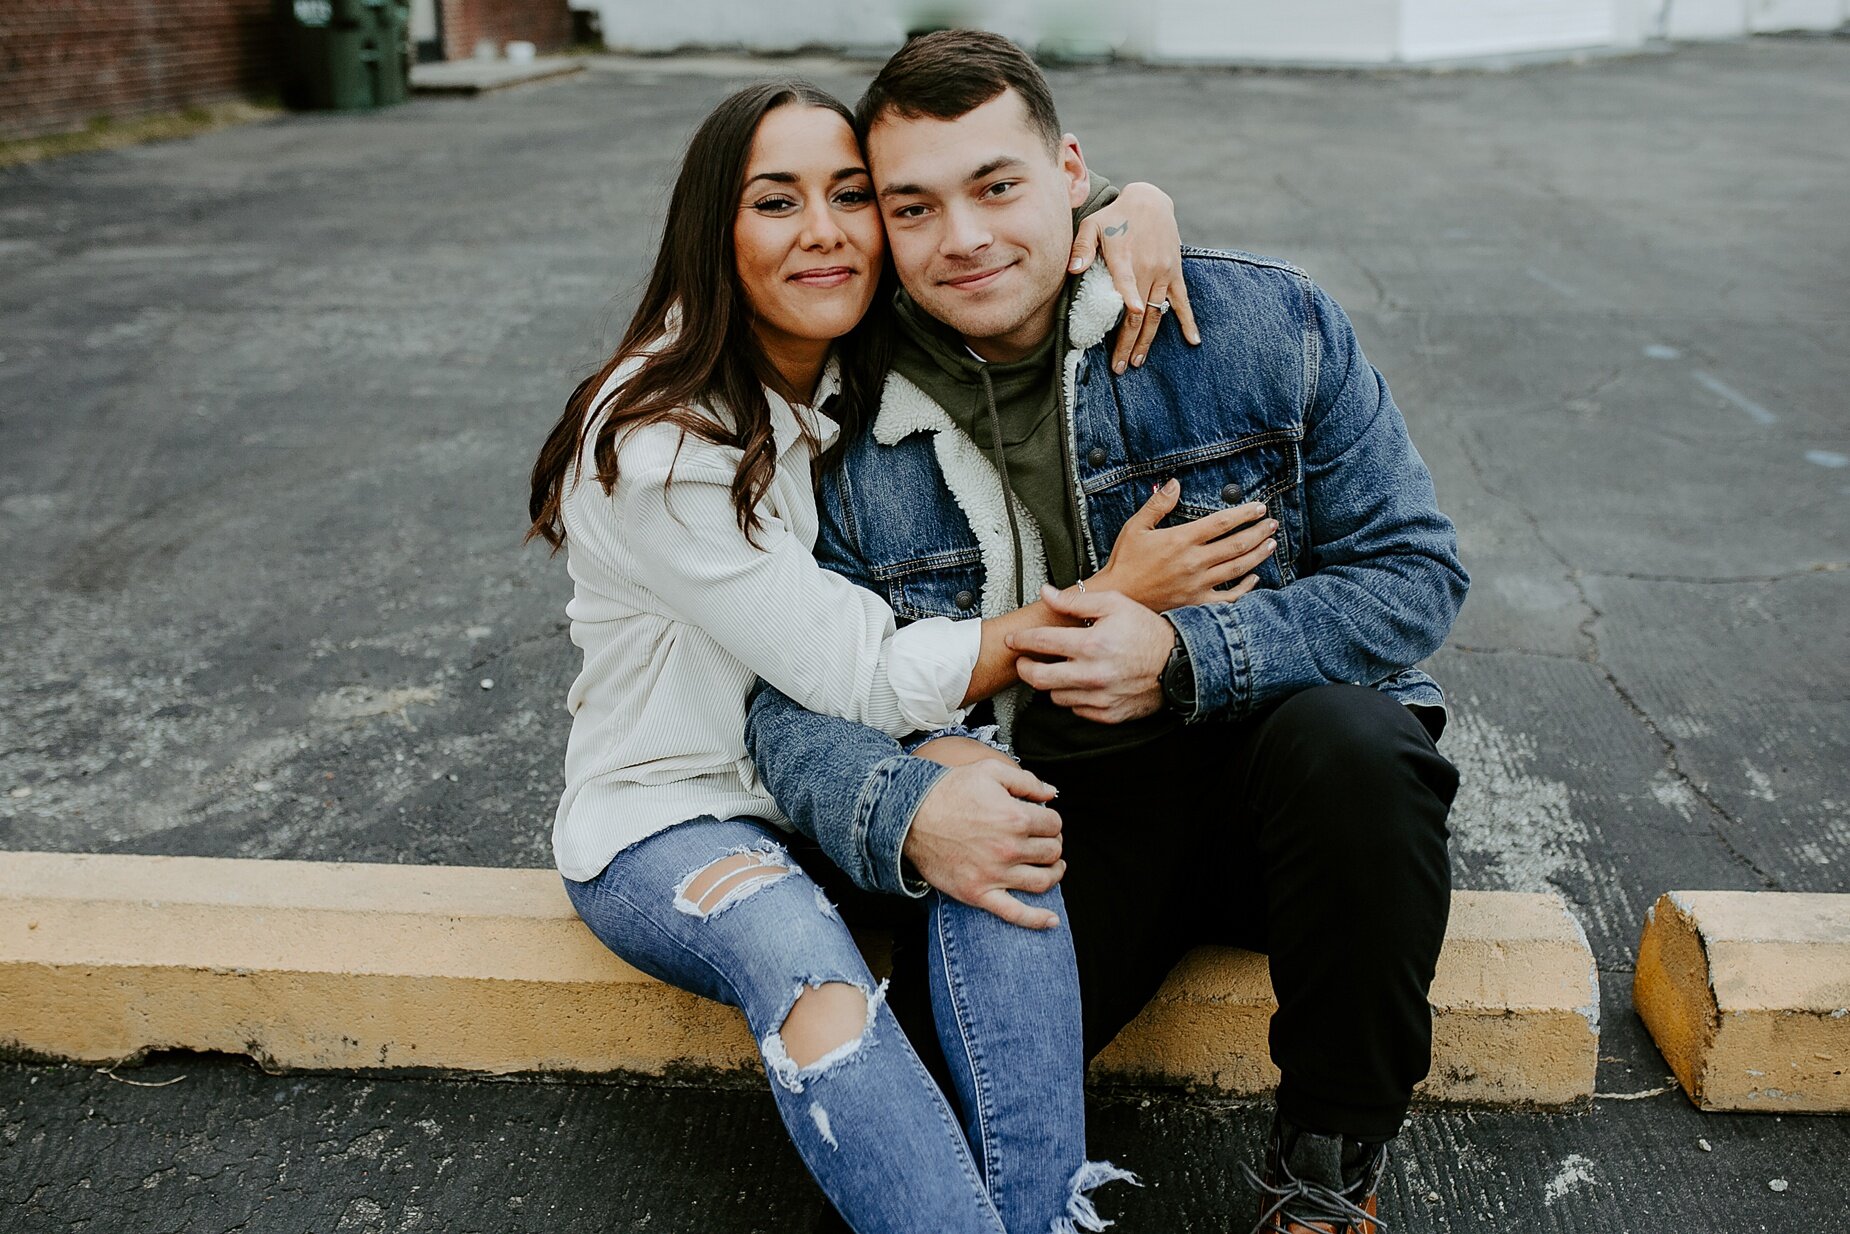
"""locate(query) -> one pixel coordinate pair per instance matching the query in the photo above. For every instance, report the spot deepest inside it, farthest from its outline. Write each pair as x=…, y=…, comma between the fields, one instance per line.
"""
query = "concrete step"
x=324, y=965
x=469, y=77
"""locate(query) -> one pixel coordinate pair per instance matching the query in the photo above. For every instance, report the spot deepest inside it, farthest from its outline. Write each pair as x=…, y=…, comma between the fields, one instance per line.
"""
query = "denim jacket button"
x=1230, y=494
x=1096, y=456
x=966, y=600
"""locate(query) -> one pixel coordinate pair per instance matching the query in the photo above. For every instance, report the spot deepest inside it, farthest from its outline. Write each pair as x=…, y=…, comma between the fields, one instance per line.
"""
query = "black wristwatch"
x=1179, y=680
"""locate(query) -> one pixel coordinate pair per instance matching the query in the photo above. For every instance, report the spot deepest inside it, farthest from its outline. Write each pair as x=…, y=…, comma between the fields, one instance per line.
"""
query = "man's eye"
x=909, y=212
x=999, y=188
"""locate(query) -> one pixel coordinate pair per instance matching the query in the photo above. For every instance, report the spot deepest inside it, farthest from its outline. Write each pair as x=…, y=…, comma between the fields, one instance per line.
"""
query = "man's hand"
x=1109, y=671
x=981, y=831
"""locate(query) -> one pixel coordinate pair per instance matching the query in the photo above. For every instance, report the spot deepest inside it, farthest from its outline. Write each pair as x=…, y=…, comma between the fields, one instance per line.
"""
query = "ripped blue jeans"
x=865, y=1115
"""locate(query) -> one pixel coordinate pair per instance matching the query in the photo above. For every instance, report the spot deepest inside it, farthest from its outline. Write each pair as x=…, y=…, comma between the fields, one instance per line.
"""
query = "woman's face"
x=807, y=237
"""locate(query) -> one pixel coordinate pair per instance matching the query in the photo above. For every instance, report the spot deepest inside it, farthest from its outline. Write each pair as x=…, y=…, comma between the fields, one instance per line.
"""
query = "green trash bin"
x=344, y=55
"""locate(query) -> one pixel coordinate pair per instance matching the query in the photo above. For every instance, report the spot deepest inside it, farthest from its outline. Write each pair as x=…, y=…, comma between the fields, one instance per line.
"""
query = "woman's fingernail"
x=1174, y=486
x=1137, y=359
x=1118, y=367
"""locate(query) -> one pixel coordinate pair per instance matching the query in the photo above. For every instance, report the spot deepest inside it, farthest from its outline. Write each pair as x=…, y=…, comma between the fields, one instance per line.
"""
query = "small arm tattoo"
x=1120, y=229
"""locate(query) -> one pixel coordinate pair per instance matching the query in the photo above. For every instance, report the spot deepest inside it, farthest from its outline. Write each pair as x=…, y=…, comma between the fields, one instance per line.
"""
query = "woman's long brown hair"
x=708, y=356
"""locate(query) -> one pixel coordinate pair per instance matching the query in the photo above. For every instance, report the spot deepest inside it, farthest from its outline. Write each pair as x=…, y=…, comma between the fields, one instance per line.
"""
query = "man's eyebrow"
x=997, y=164
x=986, y=170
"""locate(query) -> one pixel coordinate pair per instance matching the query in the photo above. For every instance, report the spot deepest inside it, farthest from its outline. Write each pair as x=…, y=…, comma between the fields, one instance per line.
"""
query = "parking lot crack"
x=1723, y=580
x=1723, y=823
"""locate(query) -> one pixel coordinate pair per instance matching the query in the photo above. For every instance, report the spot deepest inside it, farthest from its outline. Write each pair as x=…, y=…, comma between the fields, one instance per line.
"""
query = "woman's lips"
x=830, y=276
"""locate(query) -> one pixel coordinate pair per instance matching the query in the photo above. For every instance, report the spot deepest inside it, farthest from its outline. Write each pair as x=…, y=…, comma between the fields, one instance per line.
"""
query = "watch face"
x=1179, y=679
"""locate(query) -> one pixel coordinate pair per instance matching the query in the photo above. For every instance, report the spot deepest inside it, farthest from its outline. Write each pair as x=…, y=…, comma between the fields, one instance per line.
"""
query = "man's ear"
x=1073, y=164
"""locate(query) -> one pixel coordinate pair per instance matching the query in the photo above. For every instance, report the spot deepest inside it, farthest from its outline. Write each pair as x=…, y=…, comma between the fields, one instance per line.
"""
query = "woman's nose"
x=820, y=230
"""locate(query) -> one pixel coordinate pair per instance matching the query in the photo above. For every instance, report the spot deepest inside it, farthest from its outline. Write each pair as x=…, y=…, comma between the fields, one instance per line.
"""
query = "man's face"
x=979, y=219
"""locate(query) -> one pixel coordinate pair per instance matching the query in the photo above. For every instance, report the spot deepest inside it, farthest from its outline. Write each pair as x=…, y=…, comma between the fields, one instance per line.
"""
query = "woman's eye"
x=854, y=197
x=774, y=205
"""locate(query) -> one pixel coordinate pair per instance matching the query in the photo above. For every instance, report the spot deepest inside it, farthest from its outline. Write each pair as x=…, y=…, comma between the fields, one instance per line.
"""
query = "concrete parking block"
x=1748, y=996
x=324, y=965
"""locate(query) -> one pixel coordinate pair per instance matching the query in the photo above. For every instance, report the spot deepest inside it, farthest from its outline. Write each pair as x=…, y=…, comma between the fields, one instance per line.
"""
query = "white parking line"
x=1760, y=414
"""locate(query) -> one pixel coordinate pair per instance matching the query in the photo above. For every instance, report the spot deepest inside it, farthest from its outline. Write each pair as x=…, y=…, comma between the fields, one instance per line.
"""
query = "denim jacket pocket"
x=947, y=584
x=1222, y=483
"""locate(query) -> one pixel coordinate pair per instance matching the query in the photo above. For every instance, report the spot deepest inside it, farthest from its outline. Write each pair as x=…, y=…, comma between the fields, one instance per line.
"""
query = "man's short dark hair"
x=949, y=73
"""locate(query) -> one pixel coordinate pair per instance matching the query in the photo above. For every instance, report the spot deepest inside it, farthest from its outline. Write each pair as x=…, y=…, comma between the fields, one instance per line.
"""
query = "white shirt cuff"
x=929, y=665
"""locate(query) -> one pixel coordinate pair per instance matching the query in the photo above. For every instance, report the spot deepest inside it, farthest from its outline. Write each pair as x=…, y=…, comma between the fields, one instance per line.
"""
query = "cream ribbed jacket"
x=678, y=614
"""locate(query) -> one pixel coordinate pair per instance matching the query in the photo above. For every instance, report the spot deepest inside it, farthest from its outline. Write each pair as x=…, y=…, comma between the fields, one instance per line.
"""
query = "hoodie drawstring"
x=1002, y=466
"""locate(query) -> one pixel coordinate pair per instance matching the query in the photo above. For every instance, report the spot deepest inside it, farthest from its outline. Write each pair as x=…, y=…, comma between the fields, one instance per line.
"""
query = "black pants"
x=1313, y=832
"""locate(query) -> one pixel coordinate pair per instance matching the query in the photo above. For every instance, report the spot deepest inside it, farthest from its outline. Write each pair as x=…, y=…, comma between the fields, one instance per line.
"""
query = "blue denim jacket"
x=1277, y=404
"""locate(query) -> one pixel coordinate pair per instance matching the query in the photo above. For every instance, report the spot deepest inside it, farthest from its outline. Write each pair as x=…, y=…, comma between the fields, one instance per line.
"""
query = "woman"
x=680, y=481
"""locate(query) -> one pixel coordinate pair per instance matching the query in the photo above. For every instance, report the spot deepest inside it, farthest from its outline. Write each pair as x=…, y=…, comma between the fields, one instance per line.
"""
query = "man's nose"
x=965, y=232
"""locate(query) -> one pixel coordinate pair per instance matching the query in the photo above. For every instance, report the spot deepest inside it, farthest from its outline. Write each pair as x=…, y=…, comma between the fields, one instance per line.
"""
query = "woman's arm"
x=1136, y=233
x=826, y=643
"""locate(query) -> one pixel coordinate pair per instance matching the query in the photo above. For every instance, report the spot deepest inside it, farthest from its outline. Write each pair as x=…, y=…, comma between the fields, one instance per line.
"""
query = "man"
x=1258, y=771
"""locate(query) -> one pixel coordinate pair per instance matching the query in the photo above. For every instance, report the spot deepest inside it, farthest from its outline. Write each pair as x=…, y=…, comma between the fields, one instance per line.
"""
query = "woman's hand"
x=1168, y=567
x=1143, y=252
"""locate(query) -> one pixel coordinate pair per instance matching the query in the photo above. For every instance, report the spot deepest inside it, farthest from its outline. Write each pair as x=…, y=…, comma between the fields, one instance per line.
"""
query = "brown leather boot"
x=1318, y=1184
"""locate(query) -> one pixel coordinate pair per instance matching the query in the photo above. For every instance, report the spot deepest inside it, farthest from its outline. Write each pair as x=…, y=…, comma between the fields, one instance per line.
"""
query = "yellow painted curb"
x=1748, y=996
x=317, y=965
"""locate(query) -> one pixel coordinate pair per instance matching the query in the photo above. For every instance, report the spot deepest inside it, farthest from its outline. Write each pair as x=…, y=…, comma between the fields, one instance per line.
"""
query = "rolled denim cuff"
x=989, y=734
x=1217, y=648
x=891, y=795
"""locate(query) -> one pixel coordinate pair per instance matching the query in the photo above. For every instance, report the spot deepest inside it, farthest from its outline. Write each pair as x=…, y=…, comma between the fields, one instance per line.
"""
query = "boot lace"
x=1301, y=1202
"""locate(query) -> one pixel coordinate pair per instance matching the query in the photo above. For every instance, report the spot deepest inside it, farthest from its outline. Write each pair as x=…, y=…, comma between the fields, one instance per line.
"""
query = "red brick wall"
x=547, y=24
x=65, y=61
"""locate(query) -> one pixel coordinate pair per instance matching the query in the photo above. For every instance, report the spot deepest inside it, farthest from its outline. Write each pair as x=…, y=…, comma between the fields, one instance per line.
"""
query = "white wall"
x=1359, y=32
x=1345, y=31
x=1455, y=29
x=1772, y=15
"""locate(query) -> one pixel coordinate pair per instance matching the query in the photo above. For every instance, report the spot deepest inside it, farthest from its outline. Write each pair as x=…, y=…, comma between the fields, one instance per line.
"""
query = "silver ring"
x=1161, y=307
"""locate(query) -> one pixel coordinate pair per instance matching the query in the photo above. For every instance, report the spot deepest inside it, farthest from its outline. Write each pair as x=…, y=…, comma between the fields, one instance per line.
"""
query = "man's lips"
x=827, y=276
x=977, y=281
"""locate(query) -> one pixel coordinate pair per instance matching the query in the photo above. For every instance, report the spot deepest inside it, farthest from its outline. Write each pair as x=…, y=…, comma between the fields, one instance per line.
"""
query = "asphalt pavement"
x=268, y=398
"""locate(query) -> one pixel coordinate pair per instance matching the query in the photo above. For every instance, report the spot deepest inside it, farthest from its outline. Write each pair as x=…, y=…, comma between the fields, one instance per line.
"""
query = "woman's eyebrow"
x=790, y=177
